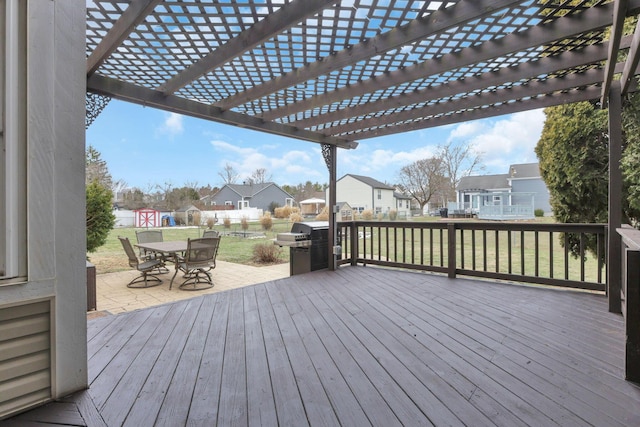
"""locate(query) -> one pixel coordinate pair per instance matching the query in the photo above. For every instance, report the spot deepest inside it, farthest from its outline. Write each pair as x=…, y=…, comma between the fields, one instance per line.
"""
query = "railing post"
x=632, y=315
x=451, y=243
x=353, y=230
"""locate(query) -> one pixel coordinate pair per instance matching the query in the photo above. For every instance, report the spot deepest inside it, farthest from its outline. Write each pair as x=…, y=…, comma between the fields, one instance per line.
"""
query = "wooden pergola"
x=336, y=72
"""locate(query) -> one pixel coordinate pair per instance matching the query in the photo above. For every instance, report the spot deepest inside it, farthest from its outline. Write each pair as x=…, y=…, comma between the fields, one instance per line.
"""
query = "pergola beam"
x=149, y=97
x=589, y=20
x=619, y=14
x=631, y=63
x=501, y=96
x=577, y=95
x=526, y=70
x=131, y=17
x=418, y=29
x=260, y=32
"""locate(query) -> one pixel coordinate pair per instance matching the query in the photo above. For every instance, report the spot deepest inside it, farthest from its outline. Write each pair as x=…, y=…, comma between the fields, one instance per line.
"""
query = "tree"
x=96, y=168
x=229, y=175
x=422, y=179
x=458, y=161
x=260, y=176
x=100, y=218
x=573, y=152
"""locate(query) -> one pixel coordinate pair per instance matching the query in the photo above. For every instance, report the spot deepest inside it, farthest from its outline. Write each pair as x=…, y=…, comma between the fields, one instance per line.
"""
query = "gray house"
x=514, y=195
x=243, y=196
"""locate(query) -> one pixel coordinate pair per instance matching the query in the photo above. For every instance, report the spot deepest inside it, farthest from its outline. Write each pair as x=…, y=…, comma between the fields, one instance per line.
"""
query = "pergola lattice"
x=337, y=72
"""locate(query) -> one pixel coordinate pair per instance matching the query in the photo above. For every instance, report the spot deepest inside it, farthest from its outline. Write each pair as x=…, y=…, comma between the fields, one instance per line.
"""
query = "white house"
x=365, y=193
x=43, y=274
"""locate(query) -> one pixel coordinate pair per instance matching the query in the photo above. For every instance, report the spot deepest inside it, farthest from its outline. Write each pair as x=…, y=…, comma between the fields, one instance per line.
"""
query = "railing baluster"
x=582, y=257
x=461, y=248
x=497, y=252
x=484, y=248
x=509, y=252
x=522, y=252
x=551, y=254
x=473, y=249
x=566, y=256
x=537, y=253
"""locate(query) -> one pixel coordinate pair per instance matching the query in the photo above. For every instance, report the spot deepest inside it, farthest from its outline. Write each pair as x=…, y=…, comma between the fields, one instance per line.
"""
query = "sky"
x=145, y=147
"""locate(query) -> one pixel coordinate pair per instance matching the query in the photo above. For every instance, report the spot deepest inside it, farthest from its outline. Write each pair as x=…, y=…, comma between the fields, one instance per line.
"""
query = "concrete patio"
x=113, y=296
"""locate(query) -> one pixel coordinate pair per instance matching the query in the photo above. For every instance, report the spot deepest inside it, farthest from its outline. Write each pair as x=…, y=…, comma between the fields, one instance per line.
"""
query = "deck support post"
x=330, y=153
x=614, y=247
x=451, y=245
x=632, y=315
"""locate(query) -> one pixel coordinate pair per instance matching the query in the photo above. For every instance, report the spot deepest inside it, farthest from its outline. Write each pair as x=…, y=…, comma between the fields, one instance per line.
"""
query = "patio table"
x=169, y=250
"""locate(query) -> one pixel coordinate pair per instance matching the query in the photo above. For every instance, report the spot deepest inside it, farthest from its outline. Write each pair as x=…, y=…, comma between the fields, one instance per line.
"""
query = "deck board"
x=363, y=346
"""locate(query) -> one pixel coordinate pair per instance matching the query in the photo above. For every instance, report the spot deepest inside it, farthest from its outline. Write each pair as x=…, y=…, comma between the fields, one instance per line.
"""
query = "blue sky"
x=145, y=146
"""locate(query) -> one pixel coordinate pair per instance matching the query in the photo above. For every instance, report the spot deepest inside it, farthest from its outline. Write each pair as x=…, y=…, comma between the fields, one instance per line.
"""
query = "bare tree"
x=229, y=175
x=422, y=179
x=259, y=176
x=458, y=161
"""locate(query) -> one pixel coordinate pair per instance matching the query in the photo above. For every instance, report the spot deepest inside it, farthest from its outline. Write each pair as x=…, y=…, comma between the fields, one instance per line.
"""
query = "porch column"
x=614, y=252
x=330, y=153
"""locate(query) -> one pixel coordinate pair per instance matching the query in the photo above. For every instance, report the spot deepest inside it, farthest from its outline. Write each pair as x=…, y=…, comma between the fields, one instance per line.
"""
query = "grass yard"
x=111, y=257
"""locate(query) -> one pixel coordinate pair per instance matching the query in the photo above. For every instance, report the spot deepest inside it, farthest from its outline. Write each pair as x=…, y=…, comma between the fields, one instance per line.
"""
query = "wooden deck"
x=360, y=346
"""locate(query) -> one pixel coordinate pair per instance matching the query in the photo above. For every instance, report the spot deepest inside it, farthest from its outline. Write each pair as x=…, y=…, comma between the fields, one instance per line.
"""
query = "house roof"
x=525, y=170
x=371, y=182
x=400, y=196
x=250, y=190
x=337, y=72
x=483, y=182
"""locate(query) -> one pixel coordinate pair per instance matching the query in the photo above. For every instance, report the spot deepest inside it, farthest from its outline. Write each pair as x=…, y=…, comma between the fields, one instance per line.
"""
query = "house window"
x=228, y=203
x=243, y=204
x=407, y=204
x=379, y=194
x=288, y=201
x=496, y=200
x=13, y=137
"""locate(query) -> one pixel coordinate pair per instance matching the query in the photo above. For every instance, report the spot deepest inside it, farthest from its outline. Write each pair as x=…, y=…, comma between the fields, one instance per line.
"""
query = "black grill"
x=314, y=256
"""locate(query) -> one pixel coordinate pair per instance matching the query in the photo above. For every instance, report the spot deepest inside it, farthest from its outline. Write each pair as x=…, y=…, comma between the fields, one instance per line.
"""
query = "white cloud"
x=172, y=125
x=506, y=141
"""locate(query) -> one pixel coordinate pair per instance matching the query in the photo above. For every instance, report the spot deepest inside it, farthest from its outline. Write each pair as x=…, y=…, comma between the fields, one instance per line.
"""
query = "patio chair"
x=151, y=236
x=198, y=261
x=211, y=233
x=145, y=279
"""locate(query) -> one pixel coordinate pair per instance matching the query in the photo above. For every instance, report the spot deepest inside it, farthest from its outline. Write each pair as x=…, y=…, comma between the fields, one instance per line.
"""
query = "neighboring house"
x=365, y=193
x=261, y=196
x=345, y=212
x=504, y=196
x=403, y=205
x=526, y=178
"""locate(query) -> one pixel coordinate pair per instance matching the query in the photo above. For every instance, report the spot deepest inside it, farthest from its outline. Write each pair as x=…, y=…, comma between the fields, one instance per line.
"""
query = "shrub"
x=323, y=215
x=244, y=224
x=538, y=213
x=210, y=223
x=227, y=222
x=367, y=215
x=393, y=215
x=283, y=212
x=266, y=253
x=295, y=217
x=380, y=216
x=266, y=221
x=196, y=218
x=100, y=218
x=273, y=206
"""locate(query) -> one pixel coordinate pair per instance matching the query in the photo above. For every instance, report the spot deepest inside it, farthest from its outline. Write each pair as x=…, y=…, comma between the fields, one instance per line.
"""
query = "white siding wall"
x=54, y=108
x=355, y=192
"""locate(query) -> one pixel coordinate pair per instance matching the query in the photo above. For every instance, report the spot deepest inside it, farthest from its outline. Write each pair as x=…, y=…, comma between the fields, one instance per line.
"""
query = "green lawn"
x=111, y=257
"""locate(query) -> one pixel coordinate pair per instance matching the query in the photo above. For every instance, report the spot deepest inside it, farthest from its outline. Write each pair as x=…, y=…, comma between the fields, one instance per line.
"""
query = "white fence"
x=126, y=218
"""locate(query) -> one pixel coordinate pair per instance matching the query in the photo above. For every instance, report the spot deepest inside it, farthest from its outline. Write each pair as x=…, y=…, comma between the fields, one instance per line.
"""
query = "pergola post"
x=614, y=252
x=330, y=153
